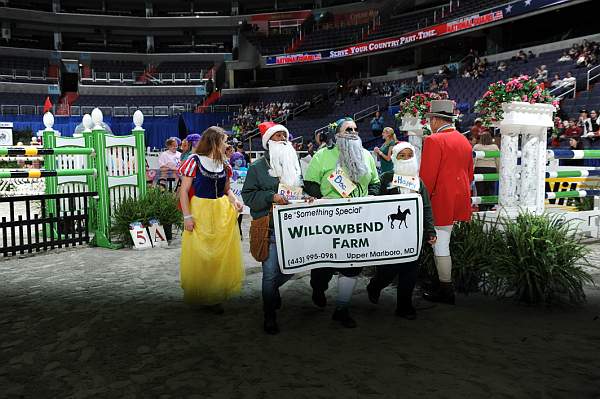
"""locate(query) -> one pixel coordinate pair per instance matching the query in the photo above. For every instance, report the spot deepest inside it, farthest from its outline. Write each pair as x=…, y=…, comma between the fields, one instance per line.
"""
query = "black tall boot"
x=444, y=294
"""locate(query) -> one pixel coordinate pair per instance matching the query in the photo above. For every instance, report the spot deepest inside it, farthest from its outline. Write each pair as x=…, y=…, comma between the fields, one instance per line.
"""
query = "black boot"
x=343, y=316
x=270, y=325
x=319, y=298
x=373, y=293
x=407, y=311
x=277, y=300
x=444, y=294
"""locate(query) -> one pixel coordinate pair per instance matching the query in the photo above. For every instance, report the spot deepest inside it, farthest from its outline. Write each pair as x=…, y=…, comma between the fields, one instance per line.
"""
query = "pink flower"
x=525, y=98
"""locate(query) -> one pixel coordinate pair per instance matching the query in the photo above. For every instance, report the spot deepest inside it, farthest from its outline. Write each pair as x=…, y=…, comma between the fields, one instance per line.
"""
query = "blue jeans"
x=272, y=279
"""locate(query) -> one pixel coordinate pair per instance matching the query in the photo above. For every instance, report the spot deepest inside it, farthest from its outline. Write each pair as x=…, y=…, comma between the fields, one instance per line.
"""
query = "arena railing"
x=29, y=74
x=360, y=115
x=141, y=76
x=563, y=94
x=590, y=77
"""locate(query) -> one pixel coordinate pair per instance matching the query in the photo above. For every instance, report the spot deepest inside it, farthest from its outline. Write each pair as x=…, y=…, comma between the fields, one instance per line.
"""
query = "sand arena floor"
x=96, y=323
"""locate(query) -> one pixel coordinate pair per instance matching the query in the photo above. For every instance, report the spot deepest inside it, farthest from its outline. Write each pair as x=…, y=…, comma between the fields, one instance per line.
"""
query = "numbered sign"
x=157, y=235
x=140, y=237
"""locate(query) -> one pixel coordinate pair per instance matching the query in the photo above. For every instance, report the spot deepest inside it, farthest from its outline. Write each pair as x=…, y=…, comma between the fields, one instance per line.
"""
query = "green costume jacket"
x=259, y=189
x=324, y=162
x=428, y=225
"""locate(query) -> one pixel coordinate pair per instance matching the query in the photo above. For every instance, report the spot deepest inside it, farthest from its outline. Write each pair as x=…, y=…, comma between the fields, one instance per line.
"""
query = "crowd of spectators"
x=253, y=114
x=585, y=54
x=585, y=130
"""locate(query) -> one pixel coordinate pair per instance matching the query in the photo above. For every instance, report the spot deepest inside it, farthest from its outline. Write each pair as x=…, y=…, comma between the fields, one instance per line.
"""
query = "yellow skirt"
x=211, y=269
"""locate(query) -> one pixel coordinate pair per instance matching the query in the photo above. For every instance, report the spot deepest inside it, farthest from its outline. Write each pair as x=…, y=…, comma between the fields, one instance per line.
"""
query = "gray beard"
x=352, y=157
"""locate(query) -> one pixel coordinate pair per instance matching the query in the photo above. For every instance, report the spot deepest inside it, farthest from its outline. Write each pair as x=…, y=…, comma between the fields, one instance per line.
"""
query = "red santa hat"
x=268, y=129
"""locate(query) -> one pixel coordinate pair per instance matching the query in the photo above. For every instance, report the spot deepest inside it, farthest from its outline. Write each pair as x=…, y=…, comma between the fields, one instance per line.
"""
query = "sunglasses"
x=351, y=130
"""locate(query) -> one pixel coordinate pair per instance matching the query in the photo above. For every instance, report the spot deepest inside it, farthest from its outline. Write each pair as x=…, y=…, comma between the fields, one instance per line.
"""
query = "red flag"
x=47, y=104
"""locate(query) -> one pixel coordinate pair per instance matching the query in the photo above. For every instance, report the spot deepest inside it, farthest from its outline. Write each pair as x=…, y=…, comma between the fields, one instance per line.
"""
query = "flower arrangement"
x=418, y=105
x=523, y=88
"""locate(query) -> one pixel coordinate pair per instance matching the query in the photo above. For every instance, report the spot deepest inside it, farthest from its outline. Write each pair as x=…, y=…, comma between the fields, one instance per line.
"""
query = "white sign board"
x=6, y=133
x=236, y=184
x=350, y=232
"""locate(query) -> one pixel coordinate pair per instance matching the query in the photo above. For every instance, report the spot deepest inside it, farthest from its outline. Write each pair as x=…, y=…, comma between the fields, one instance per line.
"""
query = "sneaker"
x=373, y=294
x=319, y=298
x=343, y=316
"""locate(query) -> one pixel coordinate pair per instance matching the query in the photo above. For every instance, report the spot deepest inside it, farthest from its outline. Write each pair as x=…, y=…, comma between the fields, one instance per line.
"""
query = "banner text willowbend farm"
x=348, y=232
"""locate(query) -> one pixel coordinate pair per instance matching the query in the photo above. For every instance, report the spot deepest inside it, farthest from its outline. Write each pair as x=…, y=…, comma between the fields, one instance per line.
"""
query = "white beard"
x=352, y=157
x=284, y=163
x=408, y=167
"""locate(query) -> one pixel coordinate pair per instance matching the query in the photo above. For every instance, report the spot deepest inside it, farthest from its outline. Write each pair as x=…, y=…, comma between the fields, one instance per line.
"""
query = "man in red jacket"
x=447, y=171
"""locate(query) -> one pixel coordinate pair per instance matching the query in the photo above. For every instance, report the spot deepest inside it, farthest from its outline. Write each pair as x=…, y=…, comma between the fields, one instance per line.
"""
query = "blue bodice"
x=208, y=184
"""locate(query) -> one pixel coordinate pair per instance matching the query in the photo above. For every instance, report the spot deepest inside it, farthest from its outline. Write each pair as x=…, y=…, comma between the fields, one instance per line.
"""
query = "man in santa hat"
x=279, y=166
x=447, y=171
x=405, y=165
x=343, y=157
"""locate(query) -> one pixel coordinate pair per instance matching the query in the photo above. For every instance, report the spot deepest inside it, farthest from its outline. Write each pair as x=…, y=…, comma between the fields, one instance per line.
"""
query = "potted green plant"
x=156, y=204
x=163, y=205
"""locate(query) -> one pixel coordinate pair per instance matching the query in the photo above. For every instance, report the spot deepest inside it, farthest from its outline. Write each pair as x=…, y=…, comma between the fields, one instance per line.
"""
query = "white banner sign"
x=351, y=232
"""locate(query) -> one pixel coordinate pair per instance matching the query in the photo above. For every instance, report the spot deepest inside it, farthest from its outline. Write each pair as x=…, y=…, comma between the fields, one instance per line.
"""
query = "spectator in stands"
x=557, y=82
x=585, y=123
x=240, y=149
x=433, y=85
x=420, y=82
x=444, y=85
x=168, y=160
x=191, y=142
x=502, y=66
x=385, y=152
x=477, y=129
x=565, y=57
x=574, y=144
x=542, y=74
x=594, y=122
x=377, y=124
x=486, y=165
x=570, y=130
x=521, y=56
x=228, y=152
x=530, y=54
x=569, y=80
x=369, y=88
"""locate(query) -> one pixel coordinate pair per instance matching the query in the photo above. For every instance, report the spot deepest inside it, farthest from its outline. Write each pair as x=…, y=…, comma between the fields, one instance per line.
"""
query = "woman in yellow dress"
x=211, y=254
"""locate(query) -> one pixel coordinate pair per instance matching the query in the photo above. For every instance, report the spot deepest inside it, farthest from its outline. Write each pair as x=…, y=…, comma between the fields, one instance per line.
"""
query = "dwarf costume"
x=447, y=171
x=317, y=184
x=406, y=272
x=259, y=188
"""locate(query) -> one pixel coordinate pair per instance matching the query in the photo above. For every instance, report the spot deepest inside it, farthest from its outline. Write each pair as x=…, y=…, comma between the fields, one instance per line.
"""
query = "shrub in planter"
x=157, y=203
x=539, y=261
x=472, y=245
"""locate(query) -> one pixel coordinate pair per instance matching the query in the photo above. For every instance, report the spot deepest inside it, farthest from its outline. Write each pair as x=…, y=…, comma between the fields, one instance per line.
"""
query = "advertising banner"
x=350, y=232
x=457, y=25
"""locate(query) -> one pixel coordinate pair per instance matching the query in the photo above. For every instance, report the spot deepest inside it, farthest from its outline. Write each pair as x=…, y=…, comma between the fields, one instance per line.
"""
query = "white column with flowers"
x=532, y=121
x=523, y=110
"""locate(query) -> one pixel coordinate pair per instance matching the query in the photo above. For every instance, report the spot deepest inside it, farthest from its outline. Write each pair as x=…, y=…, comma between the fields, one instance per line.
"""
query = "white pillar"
x=533, y=169
x=532, y=121
x=509, y=177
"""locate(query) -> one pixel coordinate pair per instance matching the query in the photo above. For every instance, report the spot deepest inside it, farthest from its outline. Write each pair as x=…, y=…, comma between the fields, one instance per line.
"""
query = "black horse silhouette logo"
x=400, y=215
